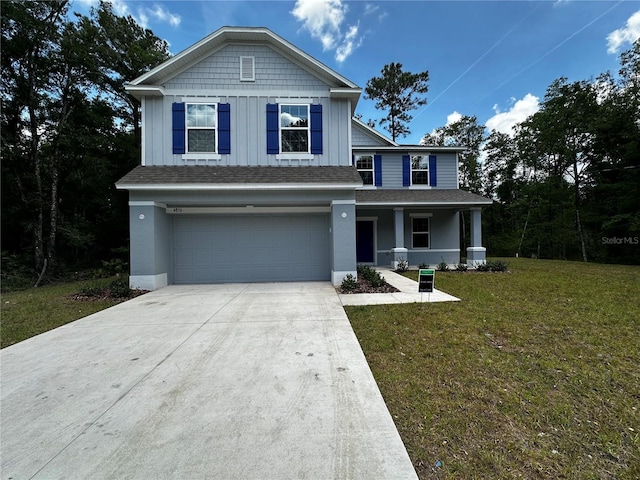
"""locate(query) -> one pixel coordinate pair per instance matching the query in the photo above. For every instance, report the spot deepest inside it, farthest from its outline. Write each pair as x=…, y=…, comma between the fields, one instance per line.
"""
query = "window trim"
x=282, y=129
x=415, y=216
x=412, y=183
x=372, y=169
x=188, y=153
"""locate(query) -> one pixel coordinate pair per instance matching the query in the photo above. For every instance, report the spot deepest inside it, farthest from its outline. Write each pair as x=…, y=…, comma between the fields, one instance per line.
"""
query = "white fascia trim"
x=343, y=202
x=409, y=149
x=249, y=209
x=146, y=203
x=239, y=186
x=146, y=90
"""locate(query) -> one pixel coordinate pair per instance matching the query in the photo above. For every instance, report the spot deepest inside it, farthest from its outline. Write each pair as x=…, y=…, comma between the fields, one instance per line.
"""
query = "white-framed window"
x=364, y=164
x=420, y=237
x=419, y=170
x=201, y=124
x=294, y=128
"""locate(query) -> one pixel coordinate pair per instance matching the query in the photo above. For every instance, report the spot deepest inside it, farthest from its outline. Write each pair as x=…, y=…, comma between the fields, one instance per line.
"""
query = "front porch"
x=419, y=227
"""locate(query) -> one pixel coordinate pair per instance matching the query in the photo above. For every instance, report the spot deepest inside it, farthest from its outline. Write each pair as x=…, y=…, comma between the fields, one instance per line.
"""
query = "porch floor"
x=408, y=292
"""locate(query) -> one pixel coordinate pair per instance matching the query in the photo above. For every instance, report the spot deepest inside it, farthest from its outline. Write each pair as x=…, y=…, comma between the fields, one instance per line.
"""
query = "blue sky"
x=492, y=59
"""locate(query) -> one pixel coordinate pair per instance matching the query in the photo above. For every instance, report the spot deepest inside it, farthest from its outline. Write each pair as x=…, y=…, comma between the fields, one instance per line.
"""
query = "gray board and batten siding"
x=277, y=80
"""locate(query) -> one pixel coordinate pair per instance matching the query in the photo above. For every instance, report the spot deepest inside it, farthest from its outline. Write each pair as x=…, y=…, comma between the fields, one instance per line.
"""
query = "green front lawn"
x=535, y=374
x=31, y=312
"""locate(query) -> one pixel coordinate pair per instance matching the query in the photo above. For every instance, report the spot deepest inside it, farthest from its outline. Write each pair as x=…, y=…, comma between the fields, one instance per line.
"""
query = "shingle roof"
x=434, y=196
x=154, y=176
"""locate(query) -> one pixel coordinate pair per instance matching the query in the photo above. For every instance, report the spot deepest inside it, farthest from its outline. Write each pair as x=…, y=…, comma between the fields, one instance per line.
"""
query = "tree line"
x=69, y=131
x=565, y=183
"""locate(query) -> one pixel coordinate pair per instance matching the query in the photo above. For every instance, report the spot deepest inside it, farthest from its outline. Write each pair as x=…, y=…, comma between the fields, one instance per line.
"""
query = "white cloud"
x=627, y=34
x=350, y=43
x=324, y=20
x=453, y=117
x=142, y=15
x=505, y=121
x=370, y=8
x=120, y=8
x=165, y=16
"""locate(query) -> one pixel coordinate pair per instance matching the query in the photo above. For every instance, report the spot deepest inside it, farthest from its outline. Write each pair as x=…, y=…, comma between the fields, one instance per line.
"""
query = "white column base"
x=476, y=256
x=338, y=277
x=148, y=282
x=399, y=254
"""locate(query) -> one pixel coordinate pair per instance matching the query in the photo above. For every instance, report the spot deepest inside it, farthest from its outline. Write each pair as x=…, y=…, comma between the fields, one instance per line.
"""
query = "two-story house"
x=253, y=169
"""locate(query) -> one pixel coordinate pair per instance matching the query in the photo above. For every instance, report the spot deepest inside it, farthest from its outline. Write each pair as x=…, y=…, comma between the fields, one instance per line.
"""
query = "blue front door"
x=364, y=241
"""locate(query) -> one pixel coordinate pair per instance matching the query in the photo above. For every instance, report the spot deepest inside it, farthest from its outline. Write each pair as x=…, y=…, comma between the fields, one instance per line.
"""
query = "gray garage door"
x=246, y=248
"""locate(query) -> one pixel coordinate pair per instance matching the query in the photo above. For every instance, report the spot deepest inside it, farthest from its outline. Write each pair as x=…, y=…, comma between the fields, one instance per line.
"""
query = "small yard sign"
x=426, y=280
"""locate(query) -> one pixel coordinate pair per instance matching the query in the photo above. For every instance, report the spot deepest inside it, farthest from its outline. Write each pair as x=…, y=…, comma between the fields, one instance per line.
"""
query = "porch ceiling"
x=436, y=197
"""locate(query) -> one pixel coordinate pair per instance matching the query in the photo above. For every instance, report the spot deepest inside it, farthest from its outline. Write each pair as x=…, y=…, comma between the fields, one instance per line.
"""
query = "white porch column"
x=476, y=253
x=399, y=252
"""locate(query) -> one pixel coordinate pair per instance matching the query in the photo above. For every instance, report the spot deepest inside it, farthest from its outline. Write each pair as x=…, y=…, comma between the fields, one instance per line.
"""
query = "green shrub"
x=498, y=266
x=423, y=266
x=461, y=267
x=403, y=265
x=120, y=288
x=483, y=267
x=349, y=283
x=371, y=275
x=93, y=290
x=443, y=266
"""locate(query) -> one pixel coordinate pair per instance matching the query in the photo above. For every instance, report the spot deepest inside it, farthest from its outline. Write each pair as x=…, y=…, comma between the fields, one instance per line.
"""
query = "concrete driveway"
x=243, y=381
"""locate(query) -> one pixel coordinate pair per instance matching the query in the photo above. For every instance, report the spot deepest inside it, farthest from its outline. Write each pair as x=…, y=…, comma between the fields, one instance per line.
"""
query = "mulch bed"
x=105, y=296
x=365, y=287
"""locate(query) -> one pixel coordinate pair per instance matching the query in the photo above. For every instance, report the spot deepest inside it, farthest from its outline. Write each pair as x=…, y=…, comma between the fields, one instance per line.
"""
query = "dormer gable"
x=365, y=136
x=154, y=82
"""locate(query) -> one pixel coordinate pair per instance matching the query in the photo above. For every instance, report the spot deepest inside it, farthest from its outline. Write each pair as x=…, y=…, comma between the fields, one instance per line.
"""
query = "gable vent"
x=247, y=69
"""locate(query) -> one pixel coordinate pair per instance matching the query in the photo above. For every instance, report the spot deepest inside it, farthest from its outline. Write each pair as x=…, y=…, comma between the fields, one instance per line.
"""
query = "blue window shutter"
x=377, y=170
x=406, y=171
x=273, y=140
x=178, y=120
x=316, y=129
x=224, y=128
x=433, y=176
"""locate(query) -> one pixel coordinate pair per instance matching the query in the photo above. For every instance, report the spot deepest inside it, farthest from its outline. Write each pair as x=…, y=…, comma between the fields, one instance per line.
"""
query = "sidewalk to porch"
x=408, y=292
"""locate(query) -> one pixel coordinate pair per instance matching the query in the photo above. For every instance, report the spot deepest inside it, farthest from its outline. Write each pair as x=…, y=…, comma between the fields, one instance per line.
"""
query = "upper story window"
x=201, y=127
x=419, y=170
x=294, y=128
x=364, y=164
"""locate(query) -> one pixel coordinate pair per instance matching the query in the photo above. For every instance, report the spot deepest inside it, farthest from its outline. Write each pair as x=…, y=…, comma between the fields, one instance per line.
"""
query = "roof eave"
x=423, y=204
x=139, y=91
x=409, y=148
x=235, y=186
